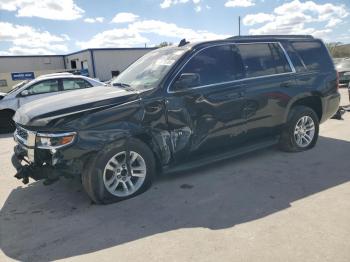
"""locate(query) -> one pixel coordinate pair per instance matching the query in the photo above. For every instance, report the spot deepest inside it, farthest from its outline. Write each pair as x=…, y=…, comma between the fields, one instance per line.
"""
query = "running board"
x=219, y=157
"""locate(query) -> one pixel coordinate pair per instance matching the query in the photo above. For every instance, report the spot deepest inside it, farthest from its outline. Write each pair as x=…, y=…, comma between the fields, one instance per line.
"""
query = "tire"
x=97, y=174
x=7, y=125
x=291, y=133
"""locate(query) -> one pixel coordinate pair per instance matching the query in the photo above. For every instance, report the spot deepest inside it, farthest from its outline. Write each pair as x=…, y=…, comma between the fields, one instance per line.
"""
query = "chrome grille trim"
x=26, y=139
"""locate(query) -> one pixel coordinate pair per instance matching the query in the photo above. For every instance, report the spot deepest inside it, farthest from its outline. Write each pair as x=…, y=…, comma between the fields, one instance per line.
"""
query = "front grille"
x=22, y=133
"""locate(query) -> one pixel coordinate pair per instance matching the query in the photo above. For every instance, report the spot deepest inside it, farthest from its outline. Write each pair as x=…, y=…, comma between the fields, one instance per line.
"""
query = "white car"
x=42, y=86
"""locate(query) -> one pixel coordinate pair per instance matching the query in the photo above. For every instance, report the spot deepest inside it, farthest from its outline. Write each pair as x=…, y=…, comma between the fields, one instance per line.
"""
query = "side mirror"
x=187, y=80
x=24, y=93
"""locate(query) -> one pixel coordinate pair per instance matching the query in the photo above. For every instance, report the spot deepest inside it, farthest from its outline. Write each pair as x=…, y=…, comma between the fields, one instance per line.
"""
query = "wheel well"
x=313, y=102
x=147, y=139
x=7, y=111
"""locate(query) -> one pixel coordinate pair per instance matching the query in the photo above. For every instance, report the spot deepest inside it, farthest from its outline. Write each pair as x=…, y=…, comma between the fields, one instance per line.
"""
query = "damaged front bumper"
x=43, y=164
x=26, y=169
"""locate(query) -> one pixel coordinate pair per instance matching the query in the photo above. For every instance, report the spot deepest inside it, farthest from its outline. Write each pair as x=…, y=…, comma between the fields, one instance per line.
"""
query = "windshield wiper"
x=121, y=84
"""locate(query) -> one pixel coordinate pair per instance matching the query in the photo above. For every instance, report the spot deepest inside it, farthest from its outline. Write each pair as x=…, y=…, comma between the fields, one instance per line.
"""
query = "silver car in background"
x=42, y=86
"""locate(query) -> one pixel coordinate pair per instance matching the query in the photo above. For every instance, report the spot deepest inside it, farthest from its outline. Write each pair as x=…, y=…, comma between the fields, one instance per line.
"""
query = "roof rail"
x=55, y=74
x=270, y=36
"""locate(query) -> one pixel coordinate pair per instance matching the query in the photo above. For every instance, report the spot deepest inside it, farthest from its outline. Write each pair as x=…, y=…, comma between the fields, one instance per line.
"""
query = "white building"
x=101, y=63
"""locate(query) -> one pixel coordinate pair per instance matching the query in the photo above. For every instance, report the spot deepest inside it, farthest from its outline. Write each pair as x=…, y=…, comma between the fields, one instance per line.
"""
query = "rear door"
x=207, y=115
x=269, y=81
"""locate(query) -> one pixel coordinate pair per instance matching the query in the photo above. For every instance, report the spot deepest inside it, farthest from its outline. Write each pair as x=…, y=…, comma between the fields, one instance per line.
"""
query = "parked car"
x=343, y=68
x=42, y=86
x=178, y=108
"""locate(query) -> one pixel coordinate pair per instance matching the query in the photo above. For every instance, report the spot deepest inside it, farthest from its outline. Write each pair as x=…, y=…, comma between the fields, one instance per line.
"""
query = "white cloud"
x=169, y=3
x=115, y=38
x=239, y=3
x=124, y=18
x=92, y=20
x=28, y=40
x=135, y=35
x=198, y=8
x=257, y=18
x=333, y=22
x=294, y=18
x=48, y=9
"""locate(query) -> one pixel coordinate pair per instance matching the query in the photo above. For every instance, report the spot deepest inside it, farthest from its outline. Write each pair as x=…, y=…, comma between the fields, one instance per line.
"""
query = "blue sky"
x=63, y=26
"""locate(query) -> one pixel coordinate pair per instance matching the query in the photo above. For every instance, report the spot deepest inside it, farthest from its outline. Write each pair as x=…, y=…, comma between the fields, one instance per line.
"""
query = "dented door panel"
x=203, y=119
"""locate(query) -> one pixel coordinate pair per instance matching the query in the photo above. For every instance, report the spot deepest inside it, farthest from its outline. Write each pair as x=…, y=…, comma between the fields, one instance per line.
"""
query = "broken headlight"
x=54, y=141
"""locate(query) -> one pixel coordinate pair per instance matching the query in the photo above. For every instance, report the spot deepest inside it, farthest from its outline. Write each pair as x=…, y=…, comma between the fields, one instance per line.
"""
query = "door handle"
x=285, y=84
x=236, y=95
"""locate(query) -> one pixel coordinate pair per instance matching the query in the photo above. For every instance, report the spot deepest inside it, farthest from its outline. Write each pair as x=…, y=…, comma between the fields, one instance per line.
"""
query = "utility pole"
x=239, y=25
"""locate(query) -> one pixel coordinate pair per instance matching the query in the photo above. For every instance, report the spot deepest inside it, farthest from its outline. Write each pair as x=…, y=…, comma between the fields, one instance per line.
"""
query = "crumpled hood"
x=72, y=102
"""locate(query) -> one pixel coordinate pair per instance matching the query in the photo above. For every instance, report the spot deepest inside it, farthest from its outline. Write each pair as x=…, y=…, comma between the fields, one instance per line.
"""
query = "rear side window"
x=314, y=55
x=262, y=59
x=216, y=65
x=71, y=84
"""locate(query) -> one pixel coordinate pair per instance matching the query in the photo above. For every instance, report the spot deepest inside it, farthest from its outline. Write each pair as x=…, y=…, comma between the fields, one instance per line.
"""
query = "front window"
x=46, y=86
x=218, y=64
x=150, y=69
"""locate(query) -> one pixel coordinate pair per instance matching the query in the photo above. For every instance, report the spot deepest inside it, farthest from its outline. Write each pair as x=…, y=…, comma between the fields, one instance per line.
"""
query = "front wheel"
x=7, y=125
x=301, y=131
x=114, y=176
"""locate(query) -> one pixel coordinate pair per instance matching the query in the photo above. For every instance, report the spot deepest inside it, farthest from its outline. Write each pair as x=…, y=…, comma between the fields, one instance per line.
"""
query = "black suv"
x=178, y=108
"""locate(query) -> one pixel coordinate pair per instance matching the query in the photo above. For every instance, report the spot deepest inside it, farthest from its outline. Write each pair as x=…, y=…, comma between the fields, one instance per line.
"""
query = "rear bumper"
x=330, y=106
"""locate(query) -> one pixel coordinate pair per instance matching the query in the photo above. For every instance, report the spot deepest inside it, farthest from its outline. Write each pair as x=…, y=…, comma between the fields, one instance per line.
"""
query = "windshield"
x=150, y=69
x=18, y=86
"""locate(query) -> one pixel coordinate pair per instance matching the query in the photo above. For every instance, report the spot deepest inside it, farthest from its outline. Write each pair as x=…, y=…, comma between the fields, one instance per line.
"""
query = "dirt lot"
x=265, y=206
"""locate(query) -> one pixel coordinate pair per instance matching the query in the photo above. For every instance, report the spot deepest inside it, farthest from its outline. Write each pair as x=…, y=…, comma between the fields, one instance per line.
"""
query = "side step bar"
x=223, y=156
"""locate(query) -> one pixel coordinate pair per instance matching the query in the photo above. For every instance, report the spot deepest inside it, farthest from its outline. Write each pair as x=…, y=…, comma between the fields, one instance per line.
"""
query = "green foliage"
x=338, y=50
x=164, y=44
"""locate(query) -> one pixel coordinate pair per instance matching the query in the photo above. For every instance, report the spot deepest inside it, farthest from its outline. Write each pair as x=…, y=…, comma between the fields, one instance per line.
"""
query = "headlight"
x=53, y=141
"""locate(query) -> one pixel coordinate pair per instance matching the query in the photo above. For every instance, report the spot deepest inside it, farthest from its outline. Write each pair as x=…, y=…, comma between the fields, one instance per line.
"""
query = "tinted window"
x=216, y=65
x=281, y=62
x=44, y=87
x=314, y=55
x=263, y=59
x=71, y=84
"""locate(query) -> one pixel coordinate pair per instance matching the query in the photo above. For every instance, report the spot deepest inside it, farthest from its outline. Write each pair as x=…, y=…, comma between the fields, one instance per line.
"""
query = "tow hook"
x=23, y=172
x=28, y=170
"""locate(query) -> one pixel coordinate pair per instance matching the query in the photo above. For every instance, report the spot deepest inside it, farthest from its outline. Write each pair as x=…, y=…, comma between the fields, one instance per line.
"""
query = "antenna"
x=239, y=25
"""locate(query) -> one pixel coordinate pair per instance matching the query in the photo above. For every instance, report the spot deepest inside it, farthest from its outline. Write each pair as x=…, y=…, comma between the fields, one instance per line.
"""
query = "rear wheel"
x=301, y=131
x=7, y=125
x=114, y=176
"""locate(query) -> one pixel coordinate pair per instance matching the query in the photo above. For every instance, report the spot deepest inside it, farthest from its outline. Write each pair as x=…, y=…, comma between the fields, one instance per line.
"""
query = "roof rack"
x=183, y=42
x=270, y=36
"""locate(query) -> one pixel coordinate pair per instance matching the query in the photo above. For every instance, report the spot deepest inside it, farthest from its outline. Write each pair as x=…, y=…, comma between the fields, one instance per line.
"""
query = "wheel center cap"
x=124, y=172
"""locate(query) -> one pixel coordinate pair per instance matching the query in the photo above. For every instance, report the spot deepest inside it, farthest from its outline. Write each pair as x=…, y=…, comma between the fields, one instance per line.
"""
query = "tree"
x=332, y=47
x=164, y=44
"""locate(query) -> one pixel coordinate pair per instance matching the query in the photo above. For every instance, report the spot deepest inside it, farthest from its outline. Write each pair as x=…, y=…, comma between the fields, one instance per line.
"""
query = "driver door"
x=205, y=111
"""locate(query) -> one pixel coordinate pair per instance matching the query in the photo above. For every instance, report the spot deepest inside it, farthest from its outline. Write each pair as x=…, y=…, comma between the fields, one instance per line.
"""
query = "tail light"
x=337, y=80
